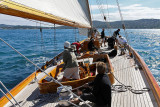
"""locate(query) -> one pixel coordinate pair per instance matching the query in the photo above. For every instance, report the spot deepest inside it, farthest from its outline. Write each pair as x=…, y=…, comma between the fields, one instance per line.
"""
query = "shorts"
x=71, y=73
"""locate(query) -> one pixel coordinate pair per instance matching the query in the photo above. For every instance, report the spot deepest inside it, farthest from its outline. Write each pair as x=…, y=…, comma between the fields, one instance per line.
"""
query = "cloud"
x=131, y=12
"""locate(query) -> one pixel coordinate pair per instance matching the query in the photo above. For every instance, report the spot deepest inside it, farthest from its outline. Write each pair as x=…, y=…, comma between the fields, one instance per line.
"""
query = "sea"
x=40, y=47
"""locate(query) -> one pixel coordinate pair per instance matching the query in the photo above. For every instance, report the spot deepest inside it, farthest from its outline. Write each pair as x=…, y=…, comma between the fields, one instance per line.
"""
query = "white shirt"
x=122, y=40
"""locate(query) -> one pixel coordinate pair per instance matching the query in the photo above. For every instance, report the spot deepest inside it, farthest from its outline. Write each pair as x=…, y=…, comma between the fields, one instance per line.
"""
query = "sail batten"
x=76, y=16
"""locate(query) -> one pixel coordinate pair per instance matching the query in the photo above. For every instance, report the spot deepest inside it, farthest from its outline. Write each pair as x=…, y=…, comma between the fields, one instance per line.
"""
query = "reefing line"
x=44, y=71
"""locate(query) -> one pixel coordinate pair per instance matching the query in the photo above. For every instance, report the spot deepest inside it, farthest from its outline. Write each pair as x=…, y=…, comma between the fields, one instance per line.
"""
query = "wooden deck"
x=125, y=70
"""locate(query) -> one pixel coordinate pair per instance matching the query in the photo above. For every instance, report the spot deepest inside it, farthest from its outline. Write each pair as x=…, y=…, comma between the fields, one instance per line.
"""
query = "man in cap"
x=70, y=65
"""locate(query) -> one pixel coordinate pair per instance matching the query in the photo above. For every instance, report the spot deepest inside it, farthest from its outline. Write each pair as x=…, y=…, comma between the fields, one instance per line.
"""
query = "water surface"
x=39, y=49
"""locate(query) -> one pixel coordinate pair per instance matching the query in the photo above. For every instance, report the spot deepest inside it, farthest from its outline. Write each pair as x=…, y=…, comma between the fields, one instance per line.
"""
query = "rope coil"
x=124, y=88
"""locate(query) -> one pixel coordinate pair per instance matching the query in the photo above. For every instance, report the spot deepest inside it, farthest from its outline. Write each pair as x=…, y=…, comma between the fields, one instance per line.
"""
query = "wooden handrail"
x=150, y=78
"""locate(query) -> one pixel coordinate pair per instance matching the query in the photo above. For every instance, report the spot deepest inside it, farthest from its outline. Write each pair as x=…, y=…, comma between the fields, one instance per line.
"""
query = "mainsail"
x=73, y=13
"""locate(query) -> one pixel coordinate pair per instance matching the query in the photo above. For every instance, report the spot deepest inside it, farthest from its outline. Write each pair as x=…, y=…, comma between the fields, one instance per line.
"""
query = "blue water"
x=14, y=68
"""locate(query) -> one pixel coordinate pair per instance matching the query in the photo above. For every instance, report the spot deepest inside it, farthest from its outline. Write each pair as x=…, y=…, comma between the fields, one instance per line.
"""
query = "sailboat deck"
x=125, y=70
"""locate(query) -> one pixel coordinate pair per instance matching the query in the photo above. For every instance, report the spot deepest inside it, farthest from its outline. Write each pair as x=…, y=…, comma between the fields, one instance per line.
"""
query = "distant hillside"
x=130, y=24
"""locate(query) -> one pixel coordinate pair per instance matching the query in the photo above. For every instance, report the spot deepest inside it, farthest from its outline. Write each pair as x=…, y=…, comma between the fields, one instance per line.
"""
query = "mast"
x=20, y=10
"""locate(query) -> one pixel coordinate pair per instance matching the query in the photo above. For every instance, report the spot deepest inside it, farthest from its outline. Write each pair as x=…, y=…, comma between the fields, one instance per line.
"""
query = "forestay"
x=76, y=11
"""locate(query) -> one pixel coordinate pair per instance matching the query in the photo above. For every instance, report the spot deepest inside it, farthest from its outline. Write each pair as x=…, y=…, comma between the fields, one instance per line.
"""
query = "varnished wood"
x=51, y=87
x=151, y=80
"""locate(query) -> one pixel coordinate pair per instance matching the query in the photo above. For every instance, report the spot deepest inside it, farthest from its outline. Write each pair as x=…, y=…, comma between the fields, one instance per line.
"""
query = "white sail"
x=74, y=10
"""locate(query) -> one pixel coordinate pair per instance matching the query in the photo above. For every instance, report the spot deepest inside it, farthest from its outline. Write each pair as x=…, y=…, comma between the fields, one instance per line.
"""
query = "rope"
x=109, y=20
x=42, y=41
x=123, y=24
x=75, y=35
x=101, y=9
x=36, y=47
x=55, y=41
x=43, y=44
x=43, y=71
x=124, y=88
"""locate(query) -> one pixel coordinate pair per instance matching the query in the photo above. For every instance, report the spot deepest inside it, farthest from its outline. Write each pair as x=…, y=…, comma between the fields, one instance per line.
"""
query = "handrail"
x=151, y=80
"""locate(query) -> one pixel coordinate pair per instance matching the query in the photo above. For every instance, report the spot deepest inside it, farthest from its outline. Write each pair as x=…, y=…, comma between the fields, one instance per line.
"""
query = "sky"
x=130, y=9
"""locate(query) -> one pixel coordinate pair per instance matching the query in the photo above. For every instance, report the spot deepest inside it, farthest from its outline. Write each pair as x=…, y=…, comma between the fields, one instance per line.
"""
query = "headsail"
x=73, y=13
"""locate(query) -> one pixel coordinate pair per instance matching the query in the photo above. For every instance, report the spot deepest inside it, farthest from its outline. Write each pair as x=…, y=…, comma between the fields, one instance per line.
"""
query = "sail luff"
x=16, y=9
x=90, y=19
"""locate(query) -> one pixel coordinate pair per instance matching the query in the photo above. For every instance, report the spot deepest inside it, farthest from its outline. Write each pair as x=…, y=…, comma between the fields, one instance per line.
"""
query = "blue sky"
x=131, y=10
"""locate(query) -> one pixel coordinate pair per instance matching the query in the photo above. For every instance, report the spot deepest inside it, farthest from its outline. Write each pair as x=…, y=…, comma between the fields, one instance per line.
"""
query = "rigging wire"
x=123, y=24
x=42, y=43
x=75, y=35
x=43, y=71
x=109, y=25
x=78, y=34
x=55, y=41
x=36, y=48
x=124, y=27
x=101, y=9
